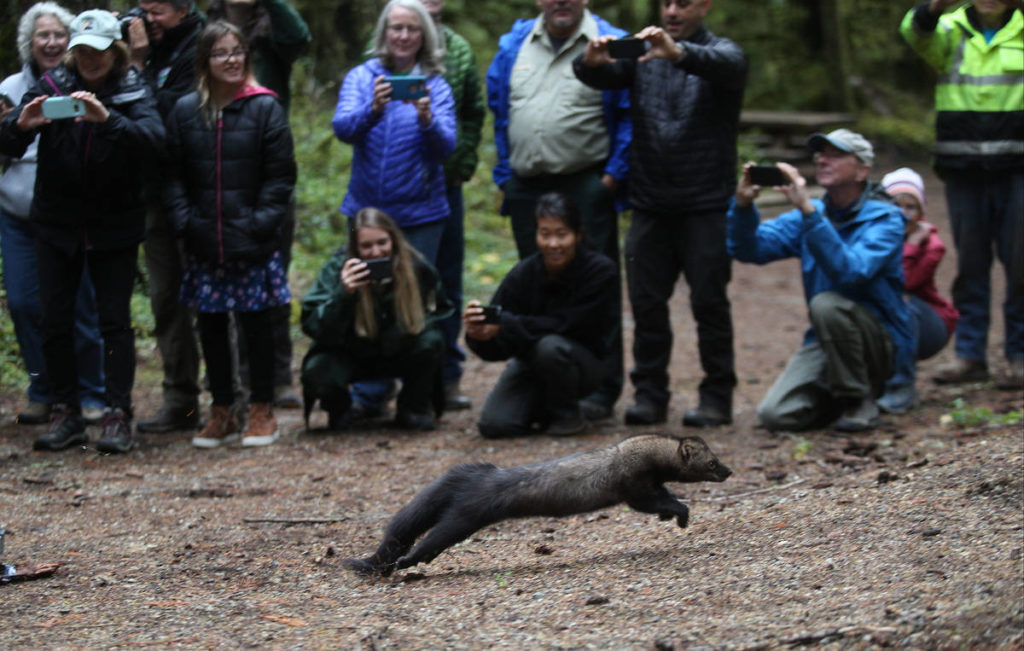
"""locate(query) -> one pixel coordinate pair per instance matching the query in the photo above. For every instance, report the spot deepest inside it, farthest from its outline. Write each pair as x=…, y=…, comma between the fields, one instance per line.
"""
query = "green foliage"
x=963, y=415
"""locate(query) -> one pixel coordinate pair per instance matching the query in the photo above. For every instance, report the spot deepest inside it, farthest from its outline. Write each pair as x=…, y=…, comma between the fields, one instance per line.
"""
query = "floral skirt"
x=236, y=286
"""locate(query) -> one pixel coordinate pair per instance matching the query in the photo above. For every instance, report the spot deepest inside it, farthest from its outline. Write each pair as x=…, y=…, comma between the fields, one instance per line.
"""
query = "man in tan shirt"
x=553, y=133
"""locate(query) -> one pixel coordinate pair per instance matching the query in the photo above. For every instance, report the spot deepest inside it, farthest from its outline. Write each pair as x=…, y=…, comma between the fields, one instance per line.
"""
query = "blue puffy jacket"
x=616, y=103
x=397, y=165
x=862, y=259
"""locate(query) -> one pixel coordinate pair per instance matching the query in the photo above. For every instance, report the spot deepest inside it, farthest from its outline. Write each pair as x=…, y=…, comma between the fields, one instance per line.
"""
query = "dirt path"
x=909, y=536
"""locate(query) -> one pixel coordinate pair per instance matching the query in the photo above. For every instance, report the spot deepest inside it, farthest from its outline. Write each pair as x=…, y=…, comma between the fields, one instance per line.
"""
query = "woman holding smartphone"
x=368, y=322
x=232, y=174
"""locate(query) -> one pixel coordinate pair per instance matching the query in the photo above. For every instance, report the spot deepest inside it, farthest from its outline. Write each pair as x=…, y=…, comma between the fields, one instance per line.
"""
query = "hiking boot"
x=962, y=371
x=592, y=410
x=1013, y=379
x=169, y=419
x=36, y=413
x=415, y=421
x=117, y=433
x=221, y=428
x=453, y=398
x=286, y=397
x=66, y=428
x=898, y=399
x=707, y=416
x=859, y=417
x=262, y=429
x=566, y=424
x=645, y=413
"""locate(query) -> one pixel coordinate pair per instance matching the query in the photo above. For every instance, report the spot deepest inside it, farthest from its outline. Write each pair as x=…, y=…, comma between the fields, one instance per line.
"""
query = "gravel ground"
x=909, y=536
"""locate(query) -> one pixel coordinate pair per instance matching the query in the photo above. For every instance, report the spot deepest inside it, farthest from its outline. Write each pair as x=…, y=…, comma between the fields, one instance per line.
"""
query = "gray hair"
x=27, y=25
x=431, y=54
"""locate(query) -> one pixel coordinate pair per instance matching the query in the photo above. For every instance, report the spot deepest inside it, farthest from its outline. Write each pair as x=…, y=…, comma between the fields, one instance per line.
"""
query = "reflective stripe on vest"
x=988, y=148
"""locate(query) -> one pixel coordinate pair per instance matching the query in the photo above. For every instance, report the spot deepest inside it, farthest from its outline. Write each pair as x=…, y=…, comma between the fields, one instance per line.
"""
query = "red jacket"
x=919, y=264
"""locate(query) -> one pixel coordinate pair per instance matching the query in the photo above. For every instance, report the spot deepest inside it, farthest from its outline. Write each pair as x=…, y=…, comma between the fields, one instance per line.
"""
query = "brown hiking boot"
x=1013, y=379
x=962, y=371
x=221, y=428
x=262, y=429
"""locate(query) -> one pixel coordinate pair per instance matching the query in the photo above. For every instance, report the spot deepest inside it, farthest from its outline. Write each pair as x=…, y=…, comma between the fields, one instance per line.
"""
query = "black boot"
x=66, y=428
x=117, y=433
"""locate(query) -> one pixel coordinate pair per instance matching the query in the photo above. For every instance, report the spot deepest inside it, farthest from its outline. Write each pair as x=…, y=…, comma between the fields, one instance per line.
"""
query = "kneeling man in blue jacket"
x=850, y=245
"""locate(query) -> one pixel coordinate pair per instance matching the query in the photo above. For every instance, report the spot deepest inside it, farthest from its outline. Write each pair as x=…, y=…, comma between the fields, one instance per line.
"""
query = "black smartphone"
x=407, y=86
x=380, y=269
x=492, y=314
x=767, y=176
x=627, y=47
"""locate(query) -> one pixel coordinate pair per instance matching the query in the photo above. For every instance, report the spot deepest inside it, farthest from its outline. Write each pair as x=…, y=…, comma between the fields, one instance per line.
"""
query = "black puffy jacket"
x=229, y=184
x=89, y=181
x=685, y=120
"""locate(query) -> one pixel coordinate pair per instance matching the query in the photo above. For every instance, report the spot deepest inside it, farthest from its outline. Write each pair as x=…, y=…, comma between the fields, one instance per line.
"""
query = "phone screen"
x=767, y=176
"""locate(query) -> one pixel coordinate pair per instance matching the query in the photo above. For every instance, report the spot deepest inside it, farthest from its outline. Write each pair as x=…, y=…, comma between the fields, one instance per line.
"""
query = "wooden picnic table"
x=783, y=134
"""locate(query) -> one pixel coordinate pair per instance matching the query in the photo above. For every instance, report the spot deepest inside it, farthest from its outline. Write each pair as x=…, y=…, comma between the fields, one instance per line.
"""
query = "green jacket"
x=328, y=312
x=979, y=97
x=462, y=76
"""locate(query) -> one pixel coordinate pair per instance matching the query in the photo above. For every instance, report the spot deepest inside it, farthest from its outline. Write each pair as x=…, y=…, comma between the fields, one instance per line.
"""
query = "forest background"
x=806, y=55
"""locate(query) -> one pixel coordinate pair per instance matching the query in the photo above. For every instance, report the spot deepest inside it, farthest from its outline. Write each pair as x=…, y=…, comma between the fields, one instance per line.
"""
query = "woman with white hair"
x=42, y=44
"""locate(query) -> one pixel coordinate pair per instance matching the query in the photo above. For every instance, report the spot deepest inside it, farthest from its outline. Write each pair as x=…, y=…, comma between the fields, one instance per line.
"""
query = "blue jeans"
x=986, y=214
x=425, y=238
x=21, y=280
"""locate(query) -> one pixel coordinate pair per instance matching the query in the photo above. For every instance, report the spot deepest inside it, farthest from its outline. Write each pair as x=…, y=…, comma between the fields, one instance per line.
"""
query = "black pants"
x=257, y=328
x=112, y=274
x=601, y=228
x=658, y=248
x=539, y=387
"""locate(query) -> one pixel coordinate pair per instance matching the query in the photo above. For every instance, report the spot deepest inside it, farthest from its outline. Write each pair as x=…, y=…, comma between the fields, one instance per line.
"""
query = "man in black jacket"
x=163, y=47
x=687, y=91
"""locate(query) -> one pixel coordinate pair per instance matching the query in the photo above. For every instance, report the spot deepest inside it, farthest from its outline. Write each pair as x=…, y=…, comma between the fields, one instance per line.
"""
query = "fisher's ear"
x=685, y=451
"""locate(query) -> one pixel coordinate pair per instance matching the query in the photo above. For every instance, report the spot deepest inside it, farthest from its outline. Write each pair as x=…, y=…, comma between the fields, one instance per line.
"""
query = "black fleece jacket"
x=578, y=303
x=685, y=120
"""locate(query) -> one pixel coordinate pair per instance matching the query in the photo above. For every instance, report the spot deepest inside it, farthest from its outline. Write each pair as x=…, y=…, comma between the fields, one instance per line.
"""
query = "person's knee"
x=828, y=308
x=551, y=353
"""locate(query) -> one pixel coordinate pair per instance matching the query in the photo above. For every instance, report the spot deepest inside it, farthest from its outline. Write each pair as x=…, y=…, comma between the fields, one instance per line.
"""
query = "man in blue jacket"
x=850, y=246
x=553, y=133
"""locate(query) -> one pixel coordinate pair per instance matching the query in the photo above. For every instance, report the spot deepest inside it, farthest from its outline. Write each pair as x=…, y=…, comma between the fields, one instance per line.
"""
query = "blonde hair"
x=431, y=53
x=409, y=299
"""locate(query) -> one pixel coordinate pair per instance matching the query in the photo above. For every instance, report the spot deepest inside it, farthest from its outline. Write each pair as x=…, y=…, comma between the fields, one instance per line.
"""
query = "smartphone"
x=407, y=86
x=380, y=269
x=492, y=314
x=627, y=47
x=62, y=108
x=768, y=176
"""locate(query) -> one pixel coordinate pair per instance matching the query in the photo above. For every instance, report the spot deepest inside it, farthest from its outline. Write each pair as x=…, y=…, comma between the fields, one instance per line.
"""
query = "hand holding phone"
x=767, y=176
x=407, y=87
x=492, y=314
x=63, y=108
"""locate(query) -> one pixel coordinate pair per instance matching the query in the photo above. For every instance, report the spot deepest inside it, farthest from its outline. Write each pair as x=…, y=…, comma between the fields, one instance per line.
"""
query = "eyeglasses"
x=50, y=36
x=221, y=56
x=398, y=29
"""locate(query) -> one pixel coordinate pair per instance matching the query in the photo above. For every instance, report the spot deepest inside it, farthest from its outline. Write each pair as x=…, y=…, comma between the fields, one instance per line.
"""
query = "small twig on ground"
x=725, y=498
x=343, y=518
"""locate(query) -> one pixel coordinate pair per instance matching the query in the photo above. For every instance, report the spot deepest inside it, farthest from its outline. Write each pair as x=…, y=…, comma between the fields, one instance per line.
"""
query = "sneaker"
x=93, y=414
x=66, y=428
x=285, y=397
x=566, y=424
x=358, y=411
x=898, y=399
x=414, y=421
x=962, y=371
x=707, y=416
x=645, y=413
x=859, y=417
x=171, y=418
x=117, y=433
x=453, y=398
x=1013, y=379
x=262, y=429
x=35, y=413
x=594, y=410
x=221, y=428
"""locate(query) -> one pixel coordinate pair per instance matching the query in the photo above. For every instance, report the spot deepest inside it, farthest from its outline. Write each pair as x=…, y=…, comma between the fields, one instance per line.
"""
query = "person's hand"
x=938, y=6
x=138, y=41
x=381, y=95
x=917, y=233
x=354, y=274
x=608, y=181
x=5, y=110
x=31, y=116
x=95, y=111
x=471, y=318
x=596, y=53
x=746, y=191
x=662, y=45
x=796, y=191
x=423, y=111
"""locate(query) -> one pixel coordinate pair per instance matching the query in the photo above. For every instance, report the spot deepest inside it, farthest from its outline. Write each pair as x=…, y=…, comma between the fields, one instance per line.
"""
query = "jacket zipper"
x=220, y=232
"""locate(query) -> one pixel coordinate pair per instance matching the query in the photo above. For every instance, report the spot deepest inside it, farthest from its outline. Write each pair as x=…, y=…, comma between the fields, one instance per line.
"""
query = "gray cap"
x=844, y=140
x=96, y=28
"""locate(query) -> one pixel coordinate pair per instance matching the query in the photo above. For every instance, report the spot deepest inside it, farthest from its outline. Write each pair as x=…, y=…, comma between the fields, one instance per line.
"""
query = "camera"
x=492, y=314
x=379, y=268
x=125, y=18
x=62, y=108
